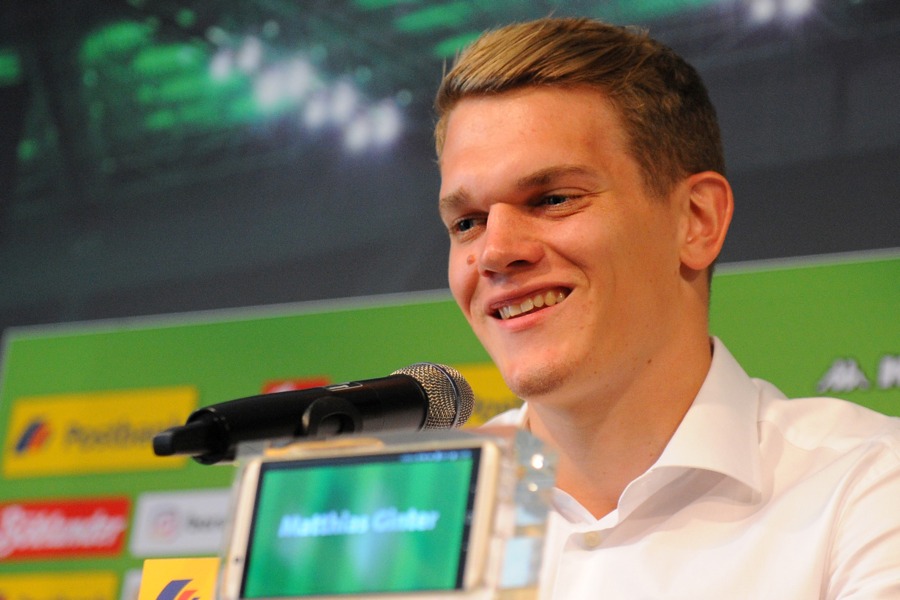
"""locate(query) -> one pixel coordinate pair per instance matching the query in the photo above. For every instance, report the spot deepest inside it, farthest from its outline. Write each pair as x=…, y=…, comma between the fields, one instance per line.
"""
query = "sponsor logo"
x=180, y=523
x=93, y=433
x=179, y=579
x=290, y=385
x=63, y=529
x=34, y=437
x=177, y=589
x=93, y=585
x=491, y=394
x=846, y=375
x=889, y=371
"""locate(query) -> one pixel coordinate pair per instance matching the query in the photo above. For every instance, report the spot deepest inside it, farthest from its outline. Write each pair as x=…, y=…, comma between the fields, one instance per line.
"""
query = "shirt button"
x=592, y=539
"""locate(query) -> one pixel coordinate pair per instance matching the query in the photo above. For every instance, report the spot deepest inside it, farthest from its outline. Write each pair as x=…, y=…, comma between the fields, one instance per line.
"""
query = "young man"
x=584, y=191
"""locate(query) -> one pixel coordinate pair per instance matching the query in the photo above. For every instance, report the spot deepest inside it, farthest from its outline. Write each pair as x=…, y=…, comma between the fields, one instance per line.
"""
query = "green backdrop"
x=825, y=327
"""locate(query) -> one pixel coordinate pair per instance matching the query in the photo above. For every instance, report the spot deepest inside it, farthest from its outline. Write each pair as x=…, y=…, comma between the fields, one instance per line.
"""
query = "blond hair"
x=668, y=117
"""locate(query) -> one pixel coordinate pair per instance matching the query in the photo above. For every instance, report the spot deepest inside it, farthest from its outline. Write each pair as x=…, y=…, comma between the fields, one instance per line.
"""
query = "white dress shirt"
x=755, y=496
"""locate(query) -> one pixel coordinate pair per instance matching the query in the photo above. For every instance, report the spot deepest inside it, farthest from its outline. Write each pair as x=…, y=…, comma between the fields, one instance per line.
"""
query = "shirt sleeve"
x=866, y=548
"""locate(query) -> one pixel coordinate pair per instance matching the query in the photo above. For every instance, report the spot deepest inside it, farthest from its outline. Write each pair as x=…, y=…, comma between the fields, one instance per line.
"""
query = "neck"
x=606, y=442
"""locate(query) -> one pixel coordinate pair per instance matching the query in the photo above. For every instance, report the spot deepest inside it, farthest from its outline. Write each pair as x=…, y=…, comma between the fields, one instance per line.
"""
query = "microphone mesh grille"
x=450, y=397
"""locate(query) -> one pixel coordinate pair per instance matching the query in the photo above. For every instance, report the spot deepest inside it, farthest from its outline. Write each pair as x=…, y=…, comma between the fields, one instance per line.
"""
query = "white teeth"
x=537, y=301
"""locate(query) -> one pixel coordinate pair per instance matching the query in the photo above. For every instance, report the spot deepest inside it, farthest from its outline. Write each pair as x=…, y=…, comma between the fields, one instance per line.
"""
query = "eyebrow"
x=550, y=174
x=540, y=178
x=452, y=201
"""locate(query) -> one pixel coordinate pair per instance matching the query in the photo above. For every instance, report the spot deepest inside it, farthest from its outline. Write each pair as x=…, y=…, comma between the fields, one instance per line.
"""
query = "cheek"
x=462, y=276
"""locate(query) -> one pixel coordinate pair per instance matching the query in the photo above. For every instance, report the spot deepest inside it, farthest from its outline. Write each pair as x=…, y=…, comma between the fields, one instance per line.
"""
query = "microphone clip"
x=329, y=415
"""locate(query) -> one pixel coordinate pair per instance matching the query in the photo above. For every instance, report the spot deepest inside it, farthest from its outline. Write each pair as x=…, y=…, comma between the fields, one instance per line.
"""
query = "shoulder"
x=840, y=459
x=821, y=422
x=854, y=449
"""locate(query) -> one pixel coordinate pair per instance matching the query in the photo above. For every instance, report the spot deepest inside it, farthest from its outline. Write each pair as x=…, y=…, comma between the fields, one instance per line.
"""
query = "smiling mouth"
x=536, y=302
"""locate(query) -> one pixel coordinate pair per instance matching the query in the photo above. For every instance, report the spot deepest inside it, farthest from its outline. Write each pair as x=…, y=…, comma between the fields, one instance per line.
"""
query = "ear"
x=707, y=209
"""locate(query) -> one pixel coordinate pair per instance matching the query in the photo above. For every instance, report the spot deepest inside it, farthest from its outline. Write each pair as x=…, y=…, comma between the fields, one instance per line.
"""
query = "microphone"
x=420, y=396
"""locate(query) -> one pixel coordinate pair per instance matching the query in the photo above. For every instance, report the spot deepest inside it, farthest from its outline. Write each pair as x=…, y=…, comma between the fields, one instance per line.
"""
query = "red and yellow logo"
x=70, y=528
x=179, y=579
x=93, y=432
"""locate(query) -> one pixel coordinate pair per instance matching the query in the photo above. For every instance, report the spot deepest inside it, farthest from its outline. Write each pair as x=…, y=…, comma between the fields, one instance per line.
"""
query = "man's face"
x=565, y=267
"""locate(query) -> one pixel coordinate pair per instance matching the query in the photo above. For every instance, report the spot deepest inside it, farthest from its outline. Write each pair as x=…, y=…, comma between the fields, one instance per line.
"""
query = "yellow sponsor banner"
x=100, y=585
x=177, y=578
x=491, y=394
x=94, y=432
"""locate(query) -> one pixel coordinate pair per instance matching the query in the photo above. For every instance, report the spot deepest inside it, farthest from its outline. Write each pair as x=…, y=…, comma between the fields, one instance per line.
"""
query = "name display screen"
x=361, y=524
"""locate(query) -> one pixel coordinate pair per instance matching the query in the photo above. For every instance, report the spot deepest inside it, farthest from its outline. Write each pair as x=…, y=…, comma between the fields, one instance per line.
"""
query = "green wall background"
x=790, y=323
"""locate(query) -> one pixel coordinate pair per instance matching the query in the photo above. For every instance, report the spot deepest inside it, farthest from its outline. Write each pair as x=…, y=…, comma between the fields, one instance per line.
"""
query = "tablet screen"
x=361, y=524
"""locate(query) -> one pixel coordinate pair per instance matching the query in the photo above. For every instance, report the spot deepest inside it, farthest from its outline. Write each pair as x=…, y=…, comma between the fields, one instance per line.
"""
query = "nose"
x=510, y=241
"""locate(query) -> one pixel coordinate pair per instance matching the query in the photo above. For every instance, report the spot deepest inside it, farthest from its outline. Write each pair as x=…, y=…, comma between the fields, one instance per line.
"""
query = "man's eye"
x=463, y=225
x=555, y=199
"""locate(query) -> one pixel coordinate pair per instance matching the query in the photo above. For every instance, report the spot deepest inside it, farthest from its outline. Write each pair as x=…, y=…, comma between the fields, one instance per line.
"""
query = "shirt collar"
x=719, y=432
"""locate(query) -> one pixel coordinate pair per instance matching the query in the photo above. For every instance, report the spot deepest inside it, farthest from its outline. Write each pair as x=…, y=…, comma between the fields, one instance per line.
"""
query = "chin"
x=539, y=380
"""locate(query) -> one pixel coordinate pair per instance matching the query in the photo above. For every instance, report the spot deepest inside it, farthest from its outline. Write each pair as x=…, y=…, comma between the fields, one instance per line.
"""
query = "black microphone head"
x=450, y=397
